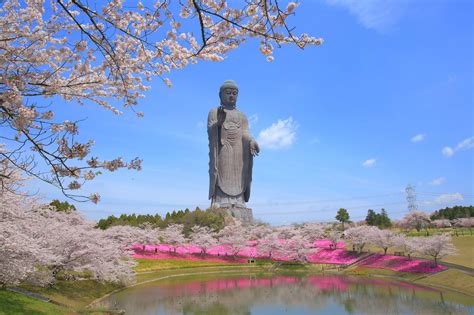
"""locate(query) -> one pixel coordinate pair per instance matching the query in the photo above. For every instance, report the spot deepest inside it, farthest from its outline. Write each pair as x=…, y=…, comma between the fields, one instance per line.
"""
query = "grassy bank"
x=12, y=303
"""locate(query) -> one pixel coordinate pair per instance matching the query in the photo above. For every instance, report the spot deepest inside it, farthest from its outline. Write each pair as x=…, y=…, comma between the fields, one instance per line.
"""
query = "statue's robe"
x=230, y=160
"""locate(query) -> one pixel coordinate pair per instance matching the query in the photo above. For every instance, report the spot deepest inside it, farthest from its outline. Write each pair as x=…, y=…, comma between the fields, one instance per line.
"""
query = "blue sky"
x=346, y=124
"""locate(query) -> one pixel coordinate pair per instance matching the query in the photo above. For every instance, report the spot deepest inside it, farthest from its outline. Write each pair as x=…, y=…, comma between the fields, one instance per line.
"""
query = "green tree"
x=62, y=206
x=371, y=218
x=383, y=219
x=342, y=216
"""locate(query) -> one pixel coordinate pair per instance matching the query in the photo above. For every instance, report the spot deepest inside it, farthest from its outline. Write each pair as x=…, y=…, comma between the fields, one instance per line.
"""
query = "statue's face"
x=229, y=97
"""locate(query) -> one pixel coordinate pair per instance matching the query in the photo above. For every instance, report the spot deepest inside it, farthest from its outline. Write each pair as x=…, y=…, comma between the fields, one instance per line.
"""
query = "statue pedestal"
x=243, y=214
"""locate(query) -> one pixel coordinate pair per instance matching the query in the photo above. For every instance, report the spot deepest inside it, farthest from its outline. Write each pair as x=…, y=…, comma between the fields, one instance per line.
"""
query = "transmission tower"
x=411, y=197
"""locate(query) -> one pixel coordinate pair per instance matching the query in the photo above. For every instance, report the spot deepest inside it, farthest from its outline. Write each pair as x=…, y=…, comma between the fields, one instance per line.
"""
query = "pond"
x=285, y=294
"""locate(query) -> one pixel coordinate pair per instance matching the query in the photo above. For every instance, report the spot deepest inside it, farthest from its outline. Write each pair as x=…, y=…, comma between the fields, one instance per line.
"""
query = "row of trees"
x=39, y=244
x=373, y=219
x=414, y=219
x=293, y=242
x=452, y=213
x=436, y=246
x=214, y=219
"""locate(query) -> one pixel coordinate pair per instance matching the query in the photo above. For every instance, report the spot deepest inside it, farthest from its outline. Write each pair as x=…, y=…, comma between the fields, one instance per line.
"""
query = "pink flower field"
x=320, y=254
x=403, y=264
x=333, y=256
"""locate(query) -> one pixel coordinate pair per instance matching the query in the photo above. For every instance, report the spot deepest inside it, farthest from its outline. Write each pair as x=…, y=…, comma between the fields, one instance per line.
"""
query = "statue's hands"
x=220, y=115
x=254, y=148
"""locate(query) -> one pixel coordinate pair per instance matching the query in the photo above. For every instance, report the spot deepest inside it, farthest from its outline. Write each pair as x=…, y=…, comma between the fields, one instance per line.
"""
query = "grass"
x=465, y=246
x=452, y=279
x=378, y=272
x=148, y=276
x=12, y=303
x=434, y=231
x=75, y=294
x=145, y=265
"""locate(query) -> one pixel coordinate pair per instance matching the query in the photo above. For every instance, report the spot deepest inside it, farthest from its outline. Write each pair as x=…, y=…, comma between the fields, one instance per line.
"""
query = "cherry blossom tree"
x=295, y=248
x=76, y=245
x=334, y=236
x=256, y=232
x=464, y=222
x=128, y=235
x=233, y=236
x=383, y=239
x=313, y=231
x=96, y=53
x=35, y=236
x=360, y=236
x=409, y=245
x=415, y=220
x=20, y=253
x=437, y=246
x=287, y=231
x=269, y=245
x=204, y=237
x=173, y=235
x=441, y=223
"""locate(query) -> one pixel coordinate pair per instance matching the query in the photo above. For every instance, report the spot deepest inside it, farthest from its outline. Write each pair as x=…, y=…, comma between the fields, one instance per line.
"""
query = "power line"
x=289, y=203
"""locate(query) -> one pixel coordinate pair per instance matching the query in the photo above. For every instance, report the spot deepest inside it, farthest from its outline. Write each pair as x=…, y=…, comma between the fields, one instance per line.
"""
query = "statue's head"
x=228, y=93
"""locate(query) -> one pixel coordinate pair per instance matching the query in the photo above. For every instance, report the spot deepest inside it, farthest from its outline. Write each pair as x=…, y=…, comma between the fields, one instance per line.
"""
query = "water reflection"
x=283, y=295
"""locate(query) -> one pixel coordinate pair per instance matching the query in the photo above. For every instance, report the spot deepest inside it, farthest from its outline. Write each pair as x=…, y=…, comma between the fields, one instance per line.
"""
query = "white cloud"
x=380, y=15
x=418, y=138
x=279, y=135
x=437, y=181
x=447, y=151
x=369, y=163
x=447, y=198
x=253, y=119
x=465, y=144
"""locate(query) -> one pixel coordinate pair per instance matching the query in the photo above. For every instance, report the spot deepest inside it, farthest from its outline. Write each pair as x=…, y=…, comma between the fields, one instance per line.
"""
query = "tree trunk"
x=385, y=250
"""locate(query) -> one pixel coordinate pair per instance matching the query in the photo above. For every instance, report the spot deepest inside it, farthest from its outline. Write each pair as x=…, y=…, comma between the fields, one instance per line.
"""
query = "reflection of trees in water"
x=239, y=295
x=395, y=300
x=239, y=301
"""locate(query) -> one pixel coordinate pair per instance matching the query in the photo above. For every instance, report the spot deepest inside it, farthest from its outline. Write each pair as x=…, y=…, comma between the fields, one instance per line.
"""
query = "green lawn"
x=14, y=303
x=465, y=246
x=452, y=231
x=75, y=294
x=163, y=264
x=452, y=279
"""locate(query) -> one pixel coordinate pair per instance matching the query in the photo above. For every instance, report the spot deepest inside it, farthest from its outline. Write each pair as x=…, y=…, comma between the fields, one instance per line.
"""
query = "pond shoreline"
x=267, y=270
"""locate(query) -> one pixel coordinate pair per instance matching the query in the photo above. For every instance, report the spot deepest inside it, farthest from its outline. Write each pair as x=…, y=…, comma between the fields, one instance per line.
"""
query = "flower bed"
x=327, y=244
x=403, y=264
x=322, y=255
x=333, y=256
